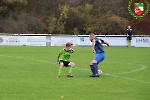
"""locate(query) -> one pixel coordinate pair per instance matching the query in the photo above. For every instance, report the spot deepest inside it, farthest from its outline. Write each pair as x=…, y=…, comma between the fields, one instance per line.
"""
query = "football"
x=99, y=72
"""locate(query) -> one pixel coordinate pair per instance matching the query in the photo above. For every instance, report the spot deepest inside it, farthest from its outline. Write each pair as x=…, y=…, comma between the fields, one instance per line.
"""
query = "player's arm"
x=93, y=45
x=127, y=33
x=72, y=50
x=61, y=52
x=58, y=57
x=106, y=43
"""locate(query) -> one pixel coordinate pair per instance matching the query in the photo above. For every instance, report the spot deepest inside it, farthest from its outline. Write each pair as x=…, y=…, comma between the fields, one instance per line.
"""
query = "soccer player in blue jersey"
x=97, y=47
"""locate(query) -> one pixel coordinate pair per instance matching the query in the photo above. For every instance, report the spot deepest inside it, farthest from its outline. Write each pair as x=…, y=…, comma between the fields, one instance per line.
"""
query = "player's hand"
x=57, y=60
x=93, y=51
x=107, y=44
x=71, y=50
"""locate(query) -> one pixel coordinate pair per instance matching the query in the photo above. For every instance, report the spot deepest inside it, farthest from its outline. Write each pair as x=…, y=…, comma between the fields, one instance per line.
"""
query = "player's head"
x=92, y=36
x=68, y=45
x=129, y=27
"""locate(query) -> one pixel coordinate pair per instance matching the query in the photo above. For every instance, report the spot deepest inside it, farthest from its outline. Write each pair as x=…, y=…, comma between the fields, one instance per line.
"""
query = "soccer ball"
x=99, y=72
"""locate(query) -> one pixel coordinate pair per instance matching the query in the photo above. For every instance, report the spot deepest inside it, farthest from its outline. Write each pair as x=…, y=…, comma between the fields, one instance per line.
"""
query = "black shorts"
x=129, y=38
x=64, y=62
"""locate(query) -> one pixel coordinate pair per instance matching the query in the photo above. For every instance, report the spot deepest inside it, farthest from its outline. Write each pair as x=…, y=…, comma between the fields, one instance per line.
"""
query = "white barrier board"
x=113, y=41
x=76, y=40
x=62, y=40
x=23, y=40
x=142, y=42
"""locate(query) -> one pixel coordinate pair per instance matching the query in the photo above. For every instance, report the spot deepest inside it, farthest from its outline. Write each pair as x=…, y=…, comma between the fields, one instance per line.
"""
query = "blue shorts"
x=99, y=57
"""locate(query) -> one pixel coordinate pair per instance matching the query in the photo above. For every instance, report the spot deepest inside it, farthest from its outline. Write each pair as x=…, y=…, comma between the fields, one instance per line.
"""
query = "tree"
x=69, y=17
x=7, y=5
x=56, y=24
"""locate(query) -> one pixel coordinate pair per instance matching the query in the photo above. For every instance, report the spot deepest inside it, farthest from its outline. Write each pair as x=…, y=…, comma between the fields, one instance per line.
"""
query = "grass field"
x=29, y=73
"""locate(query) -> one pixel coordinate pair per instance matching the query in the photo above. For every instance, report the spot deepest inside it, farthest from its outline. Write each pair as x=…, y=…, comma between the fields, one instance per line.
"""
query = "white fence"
x=142, y=42
x=76, y=40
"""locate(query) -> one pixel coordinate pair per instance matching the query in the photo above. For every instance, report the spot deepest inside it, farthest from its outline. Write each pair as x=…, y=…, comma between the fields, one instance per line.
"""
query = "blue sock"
x=92, y=69
x=95, y=68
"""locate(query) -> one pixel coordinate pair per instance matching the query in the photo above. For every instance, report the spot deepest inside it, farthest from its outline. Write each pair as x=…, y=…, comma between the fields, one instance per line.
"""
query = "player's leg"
x=97, y=59
x=92, y=69
x=71, y=64
x=130, y=38
x=101, y=58
x=61, y=65
x=127, y=41
x=95, y=66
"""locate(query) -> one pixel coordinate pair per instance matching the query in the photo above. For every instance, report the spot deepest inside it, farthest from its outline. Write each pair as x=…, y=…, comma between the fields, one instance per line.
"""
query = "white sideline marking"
x=117, y=76
x=142, y=67
x=126, y=78
x=135, y=70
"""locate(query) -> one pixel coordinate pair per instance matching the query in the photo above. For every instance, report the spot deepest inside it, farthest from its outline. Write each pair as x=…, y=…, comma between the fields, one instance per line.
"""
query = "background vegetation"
x=69, y=17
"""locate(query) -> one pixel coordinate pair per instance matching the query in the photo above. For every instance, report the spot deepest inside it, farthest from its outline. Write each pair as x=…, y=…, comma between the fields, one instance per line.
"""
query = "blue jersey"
x=98, y=45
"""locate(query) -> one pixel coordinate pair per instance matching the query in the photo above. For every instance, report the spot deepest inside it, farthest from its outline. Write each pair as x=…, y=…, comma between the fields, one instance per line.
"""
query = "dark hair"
x=68, y=44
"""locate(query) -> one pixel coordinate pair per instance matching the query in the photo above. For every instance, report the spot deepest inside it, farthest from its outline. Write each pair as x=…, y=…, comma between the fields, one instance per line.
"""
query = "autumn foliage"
x=69, y=17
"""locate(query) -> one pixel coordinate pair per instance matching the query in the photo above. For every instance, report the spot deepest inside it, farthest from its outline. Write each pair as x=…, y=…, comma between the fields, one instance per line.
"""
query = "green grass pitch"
x=29, y=73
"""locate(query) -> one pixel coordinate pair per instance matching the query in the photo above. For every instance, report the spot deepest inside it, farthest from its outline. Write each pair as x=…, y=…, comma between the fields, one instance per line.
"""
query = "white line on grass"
x=117, y=76
x=135, y=70
x=127, y=78
x=143, y=67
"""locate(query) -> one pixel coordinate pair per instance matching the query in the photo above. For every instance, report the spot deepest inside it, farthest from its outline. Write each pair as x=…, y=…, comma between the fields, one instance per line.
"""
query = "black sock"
x=95, y=68
x=92, y=69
